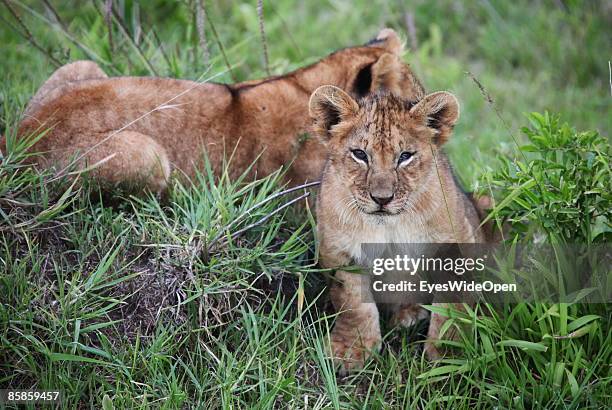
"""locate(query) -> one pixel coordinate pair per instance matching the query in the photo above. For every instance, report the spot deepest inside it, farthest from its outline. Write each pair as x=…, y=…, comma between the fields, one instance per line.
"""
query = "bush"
x=559, y=185
x=548, y=354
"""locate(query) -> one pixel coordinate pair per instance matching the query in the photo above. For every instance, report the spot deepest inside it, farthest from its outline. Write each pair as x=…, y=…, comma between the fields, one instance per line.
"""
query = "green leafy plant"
x=556, y=190
x=559, y=186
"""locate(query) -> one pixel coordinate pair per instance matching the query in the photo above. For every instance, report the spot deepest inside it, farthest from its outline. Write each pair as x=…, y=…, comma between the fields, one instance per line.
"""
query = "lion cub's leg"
x=357, y=328
x=77, y=71
x=433, y=333
x=408, y=315
x=128, y=159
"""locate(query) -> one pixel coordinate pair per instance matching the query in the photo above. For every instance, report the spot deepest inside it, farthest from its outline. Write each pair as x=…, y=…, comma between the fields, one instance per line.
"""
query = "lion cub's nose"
x=382, y=200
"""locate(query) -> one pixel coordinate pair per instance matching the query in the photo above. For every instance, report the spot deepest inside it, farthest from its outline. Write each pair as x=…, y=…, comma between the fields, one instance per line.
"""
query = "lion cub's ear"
x=389, y=39
x=386, y=74
x=329, y=106
x=438, y=111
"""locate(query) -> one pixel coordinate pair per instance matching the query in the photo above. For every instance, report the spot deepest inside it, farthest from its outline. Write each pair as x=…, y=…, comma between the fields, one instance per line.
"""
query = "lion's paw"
x=409, y=316
x=350, y=353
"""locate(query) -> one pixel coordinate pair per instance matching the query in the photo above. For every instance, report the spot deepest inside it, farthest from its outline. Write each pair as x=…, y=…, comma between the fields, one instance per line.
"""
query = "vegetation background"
x=128, y=306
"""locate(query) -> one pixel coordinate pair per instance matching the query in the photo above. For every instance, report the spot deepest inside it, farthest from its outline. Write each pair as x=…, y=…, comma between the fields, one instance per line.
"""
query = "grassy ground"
x=131, y=306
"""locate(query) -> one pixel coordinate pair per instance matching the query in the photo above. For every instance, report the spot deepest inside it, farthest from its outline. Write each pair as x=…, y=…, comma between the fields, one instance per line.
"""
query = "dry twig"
x=108, y=17
x=133, y=42
x=55, y=15
x=221, y=48
x=27, y=34
x=63, y=29
x=412, y=33
x=200, y=24
x=262, y=32
x=161, y=48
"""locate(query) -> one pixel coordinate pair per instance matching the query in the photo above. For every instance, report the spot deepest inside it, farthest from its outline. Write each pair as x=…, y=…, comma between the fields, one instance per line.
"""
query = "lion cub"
x=385, y=181
x=138, y=130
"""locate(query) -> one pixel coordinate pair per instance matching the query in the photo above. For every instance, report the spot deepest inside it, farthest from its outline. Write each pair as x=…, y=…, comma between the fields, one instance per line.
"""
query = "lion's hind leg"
x=130, y=160
x=66, y=74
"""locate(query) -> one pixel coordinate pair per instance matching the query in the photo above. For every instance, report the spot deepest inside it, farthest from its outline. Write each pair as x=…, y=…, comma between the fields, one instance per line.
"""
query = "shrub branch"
x=27, y=34
x=262, y=32
x=200, y=24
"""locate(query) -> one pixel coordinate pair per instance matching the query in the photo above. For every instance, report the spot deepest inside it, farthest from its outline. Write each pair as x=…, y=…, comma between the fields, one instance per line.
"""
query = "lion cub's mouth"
x=381, y=212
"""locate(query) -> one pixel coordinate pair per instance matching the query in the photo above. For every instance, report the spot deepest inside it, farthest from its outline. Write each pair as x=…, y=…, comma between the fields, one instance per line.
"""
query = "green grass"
x=129, y=303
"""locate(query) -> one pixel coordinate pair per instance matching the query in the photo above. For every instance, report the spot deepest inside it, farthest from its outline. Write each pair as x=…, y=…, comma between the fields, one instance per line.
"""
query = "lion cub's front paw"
x=408, y=316
x=350, y=352
x=431, y=351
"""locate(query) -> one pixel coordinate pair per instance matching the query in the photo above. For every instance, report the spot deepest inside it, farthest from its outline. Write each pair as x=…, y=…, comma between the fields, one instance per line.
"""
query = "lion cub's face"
x=382, y=147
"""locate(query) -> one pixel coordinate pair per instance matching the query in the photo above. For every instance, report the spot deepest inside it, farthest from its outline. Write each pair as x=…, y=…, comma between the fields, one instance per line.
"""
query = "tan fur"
x=380, y=200
x=64, y=76
x=89, y=114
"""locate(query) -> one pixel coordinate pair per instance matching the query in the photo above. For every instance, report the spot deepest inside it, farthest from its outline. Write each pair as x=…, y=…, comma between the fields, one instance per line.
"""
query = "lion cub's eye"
x=405, y=158
x=360, y=155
